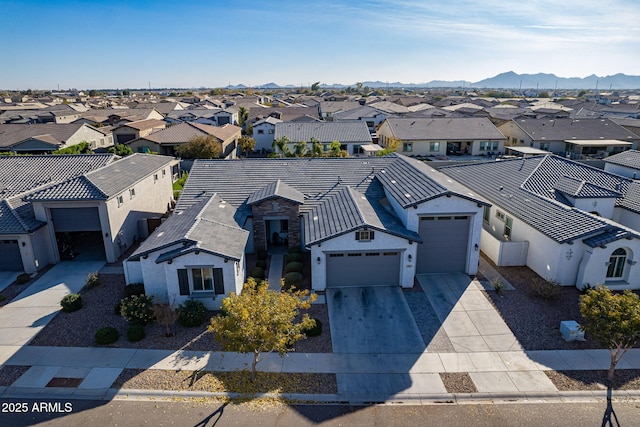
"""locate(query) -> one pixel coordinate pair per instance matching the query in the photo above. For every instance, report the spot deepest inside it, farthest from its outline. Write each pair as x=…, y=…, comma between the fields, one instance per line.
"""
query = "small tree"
x=246, y=144
x=200, y=147
x=613, y=320
x=120, y=150
x=300, y=149
x=281, y=146
x=315, y=86
x=391, y=146
x=262, y=320
x=243, y=115
x=334, y=149
x=316, y=148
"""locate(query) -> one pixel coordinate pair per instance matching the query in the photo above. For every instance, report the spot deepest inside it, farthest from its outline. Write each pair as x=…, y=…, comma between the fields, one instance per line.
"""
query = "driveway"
x=373, y=319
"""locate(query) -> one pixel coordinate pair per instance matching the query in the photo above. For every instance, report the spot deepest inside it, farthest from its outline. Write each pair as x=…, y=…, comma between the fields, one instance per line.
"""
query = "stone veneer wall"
x=275, y=208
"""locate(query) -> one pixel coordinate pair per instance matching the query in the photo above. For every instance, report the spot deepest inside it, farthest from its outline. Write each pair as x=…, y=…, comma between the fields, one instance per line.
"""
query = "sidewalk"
x=480, y=346
x=508, y=373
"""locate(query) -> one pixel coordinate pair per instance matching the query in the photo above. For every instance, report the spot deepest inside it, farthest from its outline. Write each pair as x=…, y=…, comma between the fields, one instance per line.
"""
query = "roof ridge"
x=15, y=215
x=350, y=190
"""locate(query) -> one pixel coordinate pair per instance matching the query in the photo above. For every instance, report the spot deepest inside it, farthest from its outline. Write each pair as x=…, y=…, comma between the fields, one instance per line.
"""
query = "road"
x=208, y=414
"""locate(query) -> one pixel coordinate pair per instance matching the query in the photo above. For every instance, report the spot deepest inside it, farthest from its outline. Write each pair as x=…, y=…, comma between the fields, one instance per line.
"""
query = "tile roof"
x=105, y=182
x=11, y=134
x=145, y=124
x=607, y=237
x=183, y=132
x=326, y=132
x=207, y=225
x=578, y=188
x=526, y=189
x=569, y=129
x=22, y=174
x=629, y=159
x=365, y=111
x=452, y=128
x=320, y=180
x=346, y=211
x=276, y=189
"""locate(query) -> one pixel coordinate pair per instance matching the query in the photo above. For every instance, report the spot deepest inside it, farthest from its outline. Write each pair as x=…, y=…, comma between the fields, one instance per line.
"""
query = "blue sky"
x=211, y=43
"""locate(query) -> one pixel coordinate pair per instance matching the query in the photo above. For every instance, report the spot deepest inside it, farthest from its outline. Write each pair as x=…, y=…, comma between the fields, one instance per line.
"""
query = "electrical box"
x=570, y=330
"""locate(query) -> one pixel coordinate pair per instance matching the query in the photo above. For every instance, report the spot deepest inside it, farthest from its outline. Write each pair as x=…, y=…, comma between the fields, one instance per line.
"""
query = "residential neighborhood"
x=444, y=237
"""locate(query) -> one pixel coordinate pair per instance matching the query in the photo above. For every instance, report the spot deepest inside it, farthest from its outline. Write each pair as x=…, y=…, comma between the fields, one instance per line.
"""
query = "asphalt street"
x=205, y=413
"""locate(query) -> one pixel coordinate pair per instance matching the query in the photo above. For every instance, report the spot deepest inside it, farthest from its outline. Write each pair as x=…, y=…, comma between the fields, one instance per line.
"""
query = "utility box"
x=570, y=330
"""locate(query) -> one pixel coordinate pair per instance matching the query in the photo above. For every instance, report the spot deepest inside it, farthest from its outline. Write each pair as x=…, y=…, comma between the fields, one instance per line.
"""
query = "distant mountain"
x=511, y=80
x=508, y=80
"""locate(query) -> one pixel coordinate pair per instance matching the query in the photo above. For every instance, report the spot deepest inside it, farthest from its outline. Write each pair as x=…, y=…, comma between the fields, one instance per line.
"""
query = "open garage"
x=379, y=268
x=78, y=232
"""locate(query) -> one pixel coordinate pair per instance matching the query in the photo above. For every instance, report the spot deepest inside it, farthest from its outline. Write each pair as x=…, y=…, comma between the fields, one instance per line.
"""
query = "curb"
x=333, y=399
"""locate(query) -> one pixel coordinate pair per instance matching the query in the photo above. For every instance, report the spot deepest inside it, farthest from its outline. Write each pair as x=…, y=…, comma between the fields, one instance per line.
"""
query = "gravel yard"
x=458, y=382
x=534, y=321
x=77, y=329
x=231, y=382
x=625, y=379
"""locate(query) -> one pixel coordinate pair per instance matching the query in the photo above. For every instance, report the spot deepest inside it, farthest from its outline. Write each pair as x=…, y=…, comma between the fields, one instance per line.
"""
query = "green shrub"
x=137, y=309
x=135, y=332
x=261, y=254
x=71, y=303
x=92, y=280
x=292, y=279
x=257, y=273
x=497, y=286
x=191, y=313
x=314, y=331
x=23, y=278
x=294, y=250
x=134, y=289
x=545, y=289
x=293, y=257
x=262, y=263
x=293, y=267
x=107, y=335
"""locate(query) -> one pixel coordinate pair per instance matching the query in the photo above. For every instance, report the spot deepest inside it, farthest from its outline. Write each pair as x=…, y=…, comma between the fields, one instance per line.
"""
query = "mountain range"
x=508, y=80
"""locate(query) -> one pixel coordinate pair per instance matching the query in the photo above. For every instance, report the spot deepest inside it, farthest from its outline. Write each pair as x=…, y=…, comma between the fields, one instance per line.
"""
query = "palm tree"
x=281, y=146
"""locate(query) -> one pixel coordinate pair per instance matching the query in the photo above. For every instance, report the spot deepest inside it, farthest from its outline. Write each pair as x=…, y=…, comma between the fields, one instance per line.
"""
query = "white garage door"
x=363, y=269
x=445, y=241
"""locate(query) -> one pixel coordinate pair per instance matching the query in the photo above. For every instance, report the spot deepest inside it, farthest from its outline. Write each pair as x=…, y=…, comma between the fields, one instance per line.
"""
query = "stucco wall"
x=152, y=198
x=622, y=170
x=593, y=269
x=161, y=280
x=627, y=218
x=347, y=242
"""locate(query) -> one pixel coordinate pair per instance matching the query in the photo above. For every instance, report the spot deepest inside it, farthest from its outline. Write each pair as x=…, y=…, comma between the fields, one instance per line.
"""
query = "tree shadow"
x=219, y=412
x=609, y=414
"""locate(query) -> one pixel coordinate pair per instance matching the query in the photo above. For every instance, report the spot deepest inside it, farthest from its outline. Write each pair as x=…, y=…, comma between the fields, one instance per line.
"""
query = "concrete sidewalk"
x=383, y=377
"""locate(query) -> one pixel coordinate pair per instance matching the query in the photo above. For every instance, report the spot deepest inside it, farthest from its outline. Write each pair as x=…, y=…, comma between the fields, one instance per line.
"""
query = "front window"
x=202, y=279
x=434, y=146
x=407, y=146
x=487, y=213
x=617, y=260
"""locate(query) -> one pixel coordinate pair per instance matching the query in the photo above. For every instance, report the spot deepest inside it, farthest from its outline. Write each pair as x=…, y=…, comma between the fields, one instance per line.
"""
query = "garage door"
x=10, y=258
x=363, y=269
x=445, y=243
x=75, y=219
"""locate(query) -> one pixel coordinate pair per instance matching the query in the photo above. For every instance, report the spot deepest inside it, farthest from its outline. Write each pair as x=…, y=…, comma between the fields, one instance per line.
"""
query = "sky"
x=92, y=44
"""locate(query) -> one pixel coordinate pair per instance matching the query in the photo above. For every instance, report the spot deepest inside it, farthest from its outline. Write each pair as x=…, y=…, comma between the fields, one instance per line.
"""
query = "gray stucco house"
x=369, y=222
x=53, y=207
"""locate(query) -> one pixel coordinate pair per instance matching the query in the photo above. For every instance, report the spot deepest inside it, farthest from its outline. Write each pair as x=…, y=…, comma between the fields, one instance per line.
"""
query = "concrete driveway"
x=373, y=319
